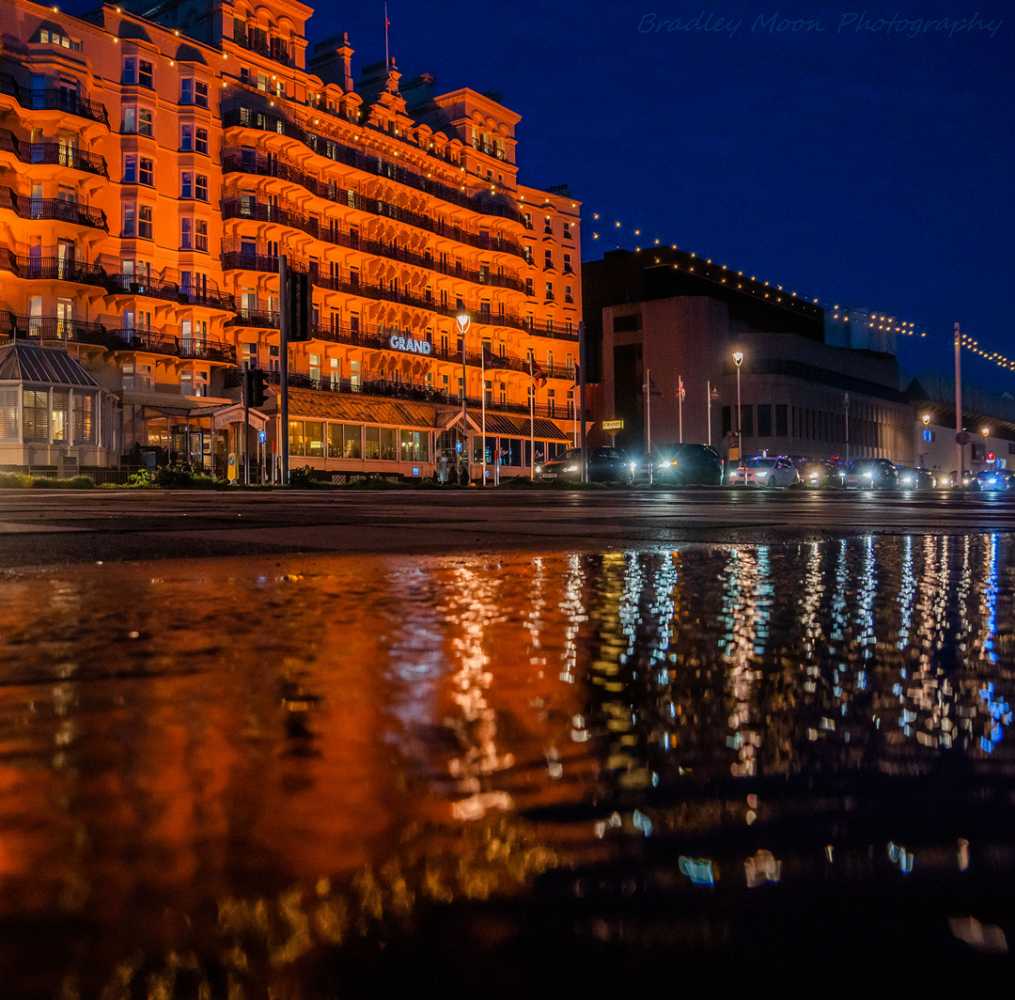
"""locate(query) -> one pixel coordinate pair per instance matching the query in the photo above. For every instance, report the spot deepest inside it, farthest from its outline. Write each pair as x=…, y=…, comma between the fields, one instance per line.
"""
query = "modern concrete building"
x=680, y=317
x=156, y=161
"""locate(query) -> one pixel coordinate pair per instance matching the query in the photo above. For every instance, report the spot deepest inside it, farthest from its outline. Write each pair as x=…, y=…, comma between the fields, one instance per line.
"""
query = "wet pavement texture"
x=54, y=527
x=345, y=775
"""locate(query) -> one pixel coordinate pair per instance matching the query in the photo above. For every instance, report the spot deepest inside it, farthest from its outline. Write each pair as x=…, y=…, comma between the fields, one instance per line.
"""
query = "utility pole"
x=246, y=425
x=648, y=423
x=581, y=401
x=283, y=324
x=464, y=321
x=708, y=409
x=680, y=408
x=958, y=404
x=845, y=403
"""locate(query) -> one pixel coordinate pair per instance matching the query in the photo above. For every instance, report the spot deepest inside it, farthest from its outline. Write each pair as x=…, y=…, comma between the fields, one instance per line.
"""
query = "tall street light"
x=738, y=360
x=464, y=321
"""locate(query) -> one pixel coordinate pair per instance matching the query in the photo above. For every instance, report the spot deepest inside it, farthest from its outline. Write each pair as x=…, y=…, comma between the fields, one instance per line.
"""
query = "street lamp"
x=926, y=420
x=464, y=321
x=985, y=431
x=738, y=360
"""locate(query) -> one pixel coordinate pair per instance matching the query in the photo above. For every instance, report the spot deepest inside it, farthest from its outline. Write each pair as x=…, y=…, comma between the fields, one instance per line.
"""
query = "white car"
x=765, y=472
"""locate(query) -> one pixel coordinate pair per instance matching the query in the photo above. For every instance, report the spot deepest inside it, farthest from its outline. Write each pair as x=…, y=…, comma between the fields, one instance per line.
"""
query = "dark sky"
x=866, y=167
x=869, y=167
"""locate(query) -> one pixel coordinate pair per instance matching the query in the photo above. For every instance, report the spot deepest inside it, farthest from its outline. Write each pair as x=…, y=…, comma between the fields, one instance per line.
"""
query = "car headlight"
x=760, y=475
x=907, y=480
x=571, y=468
x=667, y=465
x=539, y=469
x=632, y=466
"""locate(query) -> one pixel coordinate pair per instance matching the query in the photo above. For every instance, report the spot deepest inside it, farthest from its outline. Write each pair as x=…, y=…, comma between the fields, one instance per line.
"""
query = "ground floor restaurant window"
x=9, y=415
x=316, y=439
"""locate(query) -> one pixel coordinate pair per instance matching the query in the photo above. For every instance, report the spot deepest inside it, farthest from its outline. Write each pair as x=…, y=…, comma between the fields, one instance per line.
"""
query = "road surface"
x=43, y=528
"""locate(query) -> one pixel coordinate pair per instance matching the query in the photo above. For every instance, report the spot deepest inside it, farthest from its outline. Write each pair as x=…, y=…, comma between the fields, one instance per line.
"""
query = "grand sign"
x=408, y=344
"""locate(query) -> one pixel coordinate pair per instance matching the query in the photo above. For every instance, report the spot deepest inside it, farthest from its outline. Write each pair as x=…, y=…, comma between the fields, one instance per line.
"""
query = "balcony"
x=239, y=260
x=413, y=391
x=170, y=291
x=58, y=209
x=236, y=209
x=481, y=203
x=52, y=268
x=273, y=48
x=52, y=152
x=63, y=99
x=112, y=339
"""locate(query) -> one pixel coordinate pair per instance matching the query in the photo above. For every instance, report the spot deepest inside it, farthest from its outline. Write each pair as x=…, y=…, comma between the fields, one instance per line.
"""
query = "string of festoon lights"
x=704, y=267
x=995, y=357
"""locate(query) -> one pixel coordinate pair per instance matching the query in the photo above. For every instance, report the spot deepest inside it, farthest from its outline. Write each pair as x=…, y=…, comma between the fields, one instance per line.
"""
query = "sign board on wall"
x=613, y=425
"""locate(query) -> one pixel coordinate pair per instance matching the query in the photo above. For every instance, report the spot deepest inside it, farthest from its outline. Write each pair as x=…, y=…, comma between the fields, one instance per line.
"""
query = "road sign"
x=613, y=425
x=962, y=438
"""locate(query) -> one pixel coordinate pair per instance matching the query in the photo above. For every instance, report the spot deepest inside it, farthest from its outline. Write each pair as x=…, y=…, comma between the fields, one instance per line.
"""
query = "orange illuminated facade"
x=153, y=173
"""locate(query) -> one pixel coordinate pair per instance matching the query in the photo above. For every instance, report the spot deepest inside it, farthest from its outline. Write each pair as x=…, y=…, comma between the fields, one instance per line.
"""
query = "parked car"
x=606, y=465
x=915, y=479
x=764, y=471
x=872, y=474
x=991, y=481
x=683, y=465
x=824, y=474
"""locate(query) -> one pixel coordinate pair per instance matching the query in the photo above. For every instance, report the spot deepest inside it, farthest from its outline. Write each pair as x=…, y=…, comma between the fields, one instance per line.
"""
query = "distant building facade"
x=681, y=317
x=153, y=169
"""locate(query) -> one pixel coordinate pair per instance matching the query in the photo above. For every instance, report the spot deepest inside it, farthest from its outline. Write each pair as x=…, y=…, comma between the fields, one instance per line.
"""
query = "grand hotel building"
x=155, y=162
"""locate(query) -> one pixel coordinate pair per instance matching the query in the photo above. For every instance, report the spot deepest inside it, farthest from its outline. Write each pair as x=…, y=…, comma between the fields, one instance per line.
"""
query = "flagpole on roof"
x=387, y=47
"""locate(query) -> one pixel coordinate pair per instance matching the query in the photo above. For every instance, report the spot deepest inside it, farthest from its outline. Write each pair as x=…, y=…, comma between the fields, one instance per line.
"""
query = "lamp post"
x=738, y=360
x=464, y=321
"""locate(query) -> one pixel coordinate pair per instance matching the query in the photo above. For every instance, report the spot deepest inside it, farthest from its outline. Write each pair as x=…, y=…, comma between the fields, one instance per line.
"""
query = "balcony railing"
x=52, y=208
x=252, y=118
x=273, y=48
x=114, y=339
x=413, y=391
x=52, y=152
x=54, y=99
x=378, y=338
x=238, y=260
x=237, y=209
x=333, y=191
x=172, y=291
x=52, y=268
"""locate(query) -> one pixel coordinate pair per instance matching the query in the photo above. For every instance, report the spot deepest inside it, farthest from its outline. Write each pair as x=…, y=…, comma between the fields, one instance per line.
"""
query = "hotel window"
x=567, y=230
x=315, y=438
x=201, y=140
x=372, y=442
x=248, y=355
x=137, y=72
x=414, y=446
x=551, y=402
x=59, y=415
x=273, y=357
x=201, y=235
x=528, y=220
x=547, y=226
x=547, y=260
x=568, y=269
x=35, y=413
x=129, y=228
x=146, y=171
x=130, y=169
x=389, y=444
x=528, y=253
x=144, y=222
x=186, y=234
x=315, y=370
x=502, y=392
x=193, y=92
x=137, y=121
x=335, y=373
x=64, y=318
x=297, y=438
x=549, y=292
x=187, y=184
x=84, y=426
x=354, y=376
x=530, y=288
x=201, y=187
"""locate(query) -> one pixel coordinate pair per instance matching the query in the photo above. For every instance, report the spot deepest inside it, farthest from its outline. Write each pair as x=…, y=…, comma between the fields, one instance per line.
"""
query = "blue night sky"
x=867, y=167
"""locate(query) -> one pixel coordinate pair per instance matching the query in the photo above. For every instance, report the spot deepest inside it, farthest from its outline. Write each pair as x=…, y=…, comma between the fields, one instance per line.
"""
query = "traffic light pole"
x=283, y=322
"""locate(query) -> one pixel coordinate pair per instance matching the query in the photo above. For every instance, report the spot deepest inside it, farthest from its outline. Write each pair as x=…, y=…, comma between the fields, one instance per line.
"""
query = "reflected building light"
x=762, y=868
x=700, y=871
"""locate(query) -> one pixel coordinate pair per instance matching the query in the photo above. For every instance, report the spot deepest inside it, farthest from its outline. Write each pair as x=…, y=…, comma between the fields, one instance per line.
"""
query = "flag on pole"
x=491, y=360
x=538, y=375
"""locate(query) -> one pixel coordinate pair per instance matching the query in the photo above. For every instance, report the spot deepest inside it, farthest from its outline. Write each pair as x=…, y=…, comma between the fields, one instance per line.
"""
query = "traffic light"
x=298, y=302
x=254, y=386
